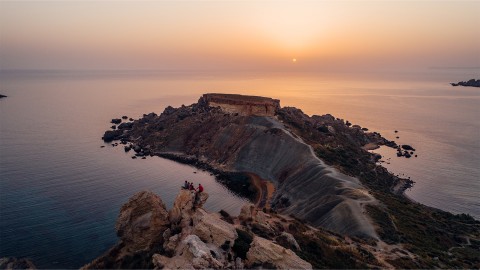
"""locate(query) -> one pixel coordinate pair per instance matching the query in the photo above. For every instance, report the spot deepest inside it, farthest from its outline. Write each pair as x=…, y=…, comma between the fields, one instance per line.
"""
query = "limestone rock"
x=142, y=221
x=211, y=229
x=182, y=206
x=247, y=212
x=263, y=251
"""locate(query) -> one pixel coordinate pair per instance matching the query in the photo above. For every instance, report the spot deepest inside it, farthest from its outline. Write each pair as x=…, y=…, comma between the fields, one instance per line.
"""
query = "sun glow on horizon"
x=237, y=35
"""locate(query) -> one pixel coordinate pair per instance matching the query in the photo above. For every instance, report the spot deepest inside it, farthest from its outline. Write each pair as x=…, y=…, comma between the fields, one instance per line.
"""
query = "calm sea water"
x=60, y=193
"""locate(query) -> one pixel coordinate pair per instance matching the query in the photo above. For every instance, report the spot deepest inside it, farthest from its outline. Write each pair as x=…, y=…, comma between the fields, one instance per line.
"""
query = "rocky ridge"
x=188, y=237
x=322, y=175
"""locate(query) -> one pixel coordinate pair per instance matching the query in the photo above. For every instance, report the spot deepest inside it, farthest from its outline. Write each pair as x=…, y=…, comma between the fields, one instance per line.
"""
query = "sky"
x=239, y=35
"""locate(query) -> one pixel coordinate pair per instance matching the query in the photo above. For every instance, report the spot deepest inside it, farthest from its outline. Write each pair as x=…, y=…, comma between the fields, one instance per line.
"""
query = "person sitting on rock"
x=190, y=187
x=186, y=185
x=200, y=188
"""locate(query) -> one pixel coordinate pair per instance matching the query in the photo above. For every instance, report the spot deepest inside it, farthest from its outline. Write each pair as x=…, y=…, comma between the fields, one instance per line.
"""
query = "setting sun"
x=294, y=60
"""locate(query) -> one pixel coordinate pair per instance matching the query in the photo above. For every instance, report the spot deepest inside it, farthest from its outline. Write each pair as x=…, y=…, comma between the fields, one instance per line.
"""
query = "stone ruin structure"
x=243, y=105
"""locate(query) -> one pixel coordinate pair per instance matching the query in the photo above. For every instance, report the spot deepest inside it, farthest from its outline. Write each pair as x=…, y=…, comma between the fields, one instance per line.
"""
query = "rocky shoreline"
x=321, y=171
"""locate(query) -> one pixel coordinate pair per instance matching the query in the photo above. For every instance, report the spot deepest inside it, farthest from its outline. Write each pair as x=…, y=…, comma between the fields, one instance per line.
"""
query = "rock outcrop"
x=142, y=221
x=471, y=82
x=187, y=238
x=269, y=255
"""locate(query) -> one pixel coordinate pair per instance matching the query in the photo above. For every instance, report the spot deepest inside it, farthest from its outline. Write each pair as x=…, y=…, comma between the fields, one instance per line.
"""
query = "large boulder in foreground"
x=265, y=253
x=142, y=221
x=211, y=229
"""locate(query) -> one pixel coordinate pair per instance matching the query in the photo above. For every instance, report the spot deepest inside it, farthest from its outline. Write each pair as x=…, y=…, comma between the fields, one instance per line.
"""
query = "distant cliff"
x=319, y=166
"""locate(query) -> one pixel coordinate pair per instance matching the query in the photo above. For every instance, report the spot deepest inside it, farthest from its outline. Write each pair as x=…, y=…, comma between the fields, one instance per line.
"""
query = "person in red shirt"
x=200, y=188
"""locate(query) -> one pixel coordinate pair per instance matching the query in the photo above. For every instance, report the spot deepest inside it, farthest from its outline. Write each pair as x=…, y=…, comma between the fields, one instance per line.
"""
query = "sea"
x=61, y=191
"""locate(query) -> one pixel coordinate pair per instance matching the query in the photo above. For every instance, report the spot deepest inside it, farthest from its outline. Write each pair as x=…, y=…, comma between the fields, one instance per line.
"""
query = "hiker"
x=186, y=185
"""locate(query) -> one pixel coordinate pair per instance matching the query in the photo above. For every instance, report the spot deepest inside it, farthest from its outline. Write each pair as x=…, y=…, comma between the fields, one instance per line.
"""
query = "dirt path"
x=265, y=190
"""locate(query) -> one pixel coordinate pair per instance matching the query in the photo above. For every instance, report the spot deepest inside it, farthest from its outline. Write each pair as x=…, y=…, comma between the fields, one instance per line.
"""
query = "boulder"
x=211, y=229
x=111, y=135
x=263, y=251
x=116, y=121
x=247, y=212
x=142, y=221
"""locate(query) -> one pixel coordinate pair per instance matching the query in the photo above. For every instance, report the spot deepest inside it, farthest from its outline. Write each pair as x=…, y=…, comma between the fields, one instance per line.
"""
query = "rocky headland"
x=3, y=96
x=325, y=182
x=471, y=82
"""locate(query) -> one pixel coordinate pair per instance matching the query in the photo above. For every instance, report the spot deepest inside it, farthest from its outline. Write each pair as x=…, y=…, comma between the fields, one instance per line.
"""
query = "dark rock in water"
x=471, y=82
x=144, y=158
x=3, y=96
x=127, y=148
x=126, y=125
x=113, y=127
x=130, y=119
x=102, y=146
x=134, y=157
x=396, y=131
x=14, y=263
x=116, y=121
x=124, y=117
x=406, y=154
x=407, y=147
x=111, y=135
x=365, y=129
x=137, y=148
x=348, y=123
x=416, y=155
x=397, y=137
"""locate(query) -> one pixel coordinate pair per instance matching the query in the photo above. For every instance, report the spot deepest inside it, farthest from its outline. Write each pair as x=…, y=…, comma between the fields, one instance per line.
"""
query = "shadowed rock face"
x=306, y=187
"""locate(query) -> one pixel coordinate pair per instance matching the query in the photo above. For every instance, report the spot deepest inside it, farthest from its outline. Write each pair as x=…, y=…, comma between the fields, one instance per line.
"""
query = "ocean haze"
x=60, y=192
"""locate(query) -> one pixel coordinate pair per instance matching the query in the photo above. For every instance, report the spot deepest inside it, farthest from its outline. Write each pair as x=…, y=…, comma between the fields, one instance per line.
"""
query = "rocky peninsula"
x=471, y=82
x=330, y=193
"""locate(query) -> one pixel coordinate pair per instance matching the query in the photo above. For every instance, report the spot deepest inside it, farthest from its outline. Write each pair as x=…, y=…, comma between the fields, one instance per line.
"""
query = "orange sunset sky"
x=239, y=35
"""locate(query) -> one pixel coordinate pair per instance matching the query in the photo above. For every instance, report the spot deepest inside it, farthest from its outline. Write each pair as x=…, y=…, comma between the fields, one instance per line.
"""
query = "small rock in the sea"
x=396, y=131
x=134, y=157
x=116, y=121
x=124, y=117
x=408, y=147
x=3, y=96
x=127, y=148
x=144, y=157
x=194, y=172
x=131, y=119
x=416, y=155
x=113, y=127
x=102, y=146
x=113, y=144
x=397, y=137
